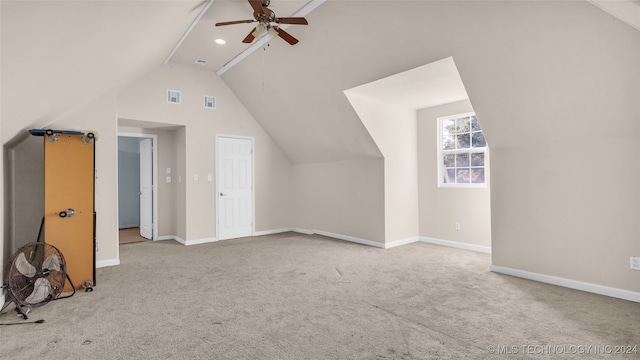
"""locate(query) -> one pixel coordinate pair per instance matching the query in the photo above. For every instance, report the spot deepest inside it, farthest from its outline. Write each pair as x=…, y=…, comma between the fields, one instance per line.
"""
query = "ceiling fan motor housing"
x=266, y=16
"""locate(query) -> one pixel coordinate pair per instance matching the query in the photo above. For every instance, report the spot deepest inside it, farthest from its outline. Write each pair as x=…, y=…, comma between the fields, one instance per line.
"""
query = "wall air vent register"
x=174, y=96
x=210, y=102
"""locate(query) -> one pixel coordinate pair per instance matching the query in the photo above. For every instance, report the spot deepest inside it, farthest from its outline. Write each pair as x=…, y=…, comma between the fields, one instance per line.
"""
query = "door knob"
x=68, y=213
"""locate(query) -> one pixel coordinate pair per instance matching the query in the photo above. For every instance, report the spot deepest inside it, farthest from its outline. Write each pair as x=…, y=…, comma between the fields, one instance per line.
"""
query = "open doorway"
x=137, y=198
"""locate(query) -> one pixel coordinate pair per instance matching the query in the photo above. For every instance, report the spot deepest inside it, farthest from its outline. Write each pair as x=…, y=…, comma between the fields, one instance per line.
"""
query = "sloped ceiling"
x=625, y=10
x=200, y=42
x=296, y=92
x=58, y=55
x=423, y=87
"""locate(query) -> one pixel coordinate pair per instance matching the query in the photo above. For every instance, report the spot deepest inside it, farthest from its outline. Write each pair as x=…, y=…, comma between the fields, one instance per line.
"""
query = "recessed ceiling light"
x=220, y=41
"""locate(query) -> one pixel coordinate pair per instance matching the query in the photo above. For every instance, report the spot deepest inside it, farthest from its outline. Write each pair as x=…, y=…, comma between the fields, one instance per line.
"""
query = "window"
x=462, y=151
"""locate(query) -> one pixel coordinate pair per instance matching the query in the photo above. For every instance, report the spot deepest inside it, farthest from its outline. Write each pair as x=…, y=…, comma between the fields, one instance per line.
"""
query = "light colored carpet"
x=292, y=296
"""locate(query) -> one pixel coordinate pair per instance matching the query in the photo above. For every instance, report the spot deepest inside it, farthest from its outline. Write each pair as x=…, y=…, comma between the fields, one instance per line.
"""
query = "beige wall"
x=144, y=100
x=25, y=201
x=394, y=130
x=98, y=116
x=167, y=192
x=559, y=105
x=555, y=85
x=344, y=198
x=181, y=193
x=441, y=207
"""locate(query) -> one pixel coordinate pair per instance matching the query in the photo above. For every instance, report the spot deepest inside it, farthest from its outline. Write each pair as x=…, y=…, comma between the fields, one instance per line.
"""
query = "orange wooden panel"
x=68, y=183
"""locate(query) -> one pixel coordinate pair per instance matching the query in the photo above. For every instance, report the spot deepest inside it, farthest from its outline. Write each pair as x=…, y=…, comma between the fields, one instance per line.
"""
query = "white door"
x=234, y=174
x=146, y=188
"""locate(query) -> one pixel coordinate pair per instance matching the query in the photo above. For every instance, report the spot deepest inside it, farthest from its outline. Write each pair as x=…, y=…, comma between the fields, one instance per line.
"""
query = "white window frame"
x=441, y=153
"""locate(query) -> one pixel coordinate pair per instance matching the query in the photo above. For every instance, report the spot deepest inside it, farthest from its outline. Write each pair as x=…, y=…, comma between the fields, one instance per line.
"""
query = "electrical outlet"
x=456, y=226
x=635, y=262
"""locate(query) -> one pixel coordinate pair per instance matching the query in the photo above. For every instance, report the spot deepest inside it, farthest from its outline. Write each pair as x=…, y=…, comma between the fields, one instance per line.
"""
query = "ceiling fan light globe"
x=272, y=32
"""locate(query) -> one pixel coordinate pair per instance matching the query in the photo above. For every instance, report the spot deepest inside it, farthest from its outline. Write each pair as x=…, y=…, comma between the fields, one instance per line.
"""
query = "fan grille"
x=36, y=274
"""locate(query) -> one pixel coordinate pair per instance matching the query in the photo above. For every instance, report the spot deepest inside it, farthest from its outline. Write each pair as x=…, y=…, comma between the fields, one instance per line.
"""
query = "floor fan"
x=35, y=276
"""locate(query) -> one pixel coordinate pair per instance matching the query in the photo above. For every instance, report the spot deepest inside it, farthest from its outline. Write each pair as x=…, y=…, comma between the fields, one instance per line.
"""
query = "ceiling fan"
x=265, y=16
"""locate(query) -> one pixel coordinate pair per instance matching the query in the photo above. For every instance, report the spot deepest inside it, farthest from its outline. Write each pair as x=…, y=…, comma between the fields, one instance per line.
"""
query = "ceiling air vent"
x=173, y=96
x=210, y=102
x=201, y=61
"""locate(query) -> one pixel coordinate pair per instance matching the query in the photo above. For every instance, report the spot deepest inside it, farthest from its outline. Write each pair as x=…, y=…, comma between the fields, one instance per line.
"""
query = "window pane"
x=464, y=141
x=478, y=140
x=449, y=160
x=477, y=176
x=475, y=125
x=462, y=160
x=448, y=127
x=448, y=142
x=463, y=125
x=462, y=175
x=463, y=155
x=449, y=176
x=477, y=159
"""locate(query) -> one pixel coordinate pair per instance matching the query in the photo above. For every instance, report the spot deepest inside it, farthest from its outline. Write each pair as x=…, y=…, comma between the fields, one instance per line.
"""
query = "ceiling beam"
x=625, y=10
x=186, y=33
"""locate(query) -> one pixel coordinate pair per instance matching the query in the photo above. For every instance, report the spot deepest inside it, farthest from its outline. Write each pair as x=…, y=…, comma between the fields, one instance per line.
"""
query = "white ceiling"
x=426, y=86
x=65, y=53
x=200, y=41
x=625, y=10
x=59, y=55
x=429, y=85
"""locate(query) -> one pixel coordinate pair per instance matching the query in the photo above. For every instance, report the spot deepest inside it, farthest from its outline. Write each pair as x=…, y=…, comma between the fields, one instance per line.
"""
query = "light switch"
x=209, y=177
x=195, y=177
x=168, y=179
x=168, y=170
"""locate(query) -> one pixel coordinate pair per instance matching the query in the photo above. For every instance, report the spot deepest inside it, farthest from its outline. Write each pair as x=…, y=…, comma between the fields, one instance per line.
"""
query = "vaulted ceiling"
x=58, y=55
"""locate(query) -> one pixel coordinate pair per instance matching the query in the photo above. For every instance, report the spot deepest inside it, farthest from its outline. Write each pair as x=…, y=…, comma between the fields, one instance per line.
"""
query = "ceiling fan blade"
x=257, y=6
x=286, y=36
x=292, y=20
x=234, y=22
x=250, y=37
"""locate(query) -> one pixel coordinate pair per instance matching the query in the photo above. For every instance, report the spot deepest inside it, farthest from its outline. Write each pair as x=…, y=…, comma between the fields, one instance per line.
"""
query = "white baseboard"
x=455, y=244
x=349, y=238
x=200, y=241
x=105, y=263
x=401, y=242
x=358, y=240
x=568, y=283
x=186, y=242
x=283, y=230
x=302, y=231
x=271, y=232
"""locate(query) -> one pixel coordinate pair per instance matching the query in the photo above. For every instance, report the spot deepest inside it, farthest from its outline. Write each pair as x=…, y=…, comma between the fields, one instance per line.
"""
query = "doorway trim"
x=253, y=182
x=154, y=175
